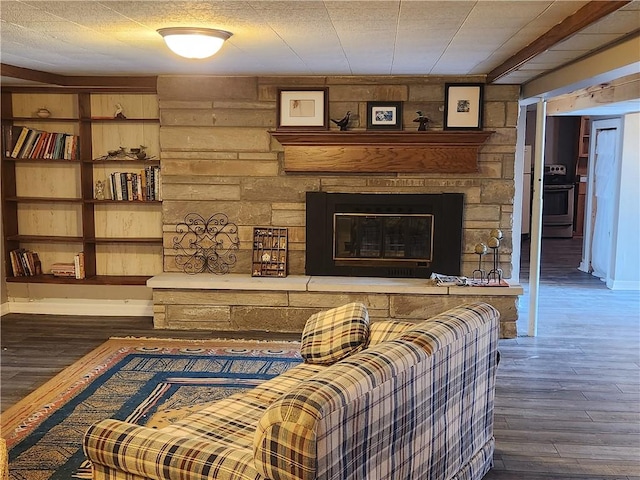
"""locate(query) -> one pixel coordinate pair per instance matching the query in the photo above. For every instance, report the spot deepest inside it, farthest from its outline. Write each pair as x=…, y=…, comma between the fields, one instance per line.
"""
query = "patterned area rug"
x=144, y=381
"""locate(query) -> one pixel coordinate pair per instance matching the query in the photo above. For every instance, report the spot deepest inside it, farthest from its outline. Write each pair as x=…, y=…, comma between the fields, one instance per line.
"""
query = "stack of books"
x=70, y=270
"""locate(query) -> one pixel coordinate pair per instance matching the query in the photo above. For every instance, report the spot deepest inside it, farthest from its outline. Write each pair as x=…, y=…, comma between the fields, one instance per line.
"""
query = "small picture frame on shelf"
x=303, y=108
x=463, y=106
x=384, y=115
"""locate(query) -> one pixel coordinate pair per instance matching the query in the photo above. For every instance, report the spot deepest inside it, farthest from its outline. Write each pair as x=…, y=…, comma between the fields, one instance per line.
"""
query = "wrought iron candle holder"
x=206, y=245
x=494, y=244
x=479, y=274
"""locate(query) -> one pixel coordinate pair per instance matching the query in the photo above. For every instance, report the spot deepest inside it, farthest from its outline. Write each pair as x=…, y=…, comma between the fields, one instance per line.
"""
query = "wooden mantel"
x=381, y=152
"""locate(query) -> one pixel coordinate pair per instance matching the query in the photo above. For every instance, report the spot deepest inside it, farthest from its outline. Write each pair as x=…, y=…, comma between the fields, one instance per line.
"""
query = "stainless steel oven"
x=557, y=203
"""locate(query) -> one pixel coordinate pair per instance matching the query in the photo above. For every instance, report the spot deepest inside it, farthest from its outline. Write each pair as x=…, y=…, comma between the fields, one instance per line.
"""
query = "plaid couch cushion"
x=331, y=335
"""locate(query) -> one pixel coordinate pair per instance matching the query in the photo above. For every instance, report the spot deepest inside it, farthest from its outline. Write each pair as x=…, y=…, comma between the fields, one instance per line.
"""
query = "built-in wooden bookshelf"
x=50, y=206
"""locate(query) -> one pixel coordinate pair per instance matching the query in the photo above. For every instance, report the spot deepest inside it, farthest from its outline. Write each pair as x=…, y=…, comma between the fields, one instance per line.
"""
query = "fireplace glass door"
x=359, y=236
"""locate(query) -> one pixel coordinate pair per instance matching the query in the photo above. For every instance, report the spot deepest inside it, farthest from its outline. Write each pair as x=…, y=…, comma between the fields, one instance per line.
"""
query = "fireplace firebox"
x=383, y=235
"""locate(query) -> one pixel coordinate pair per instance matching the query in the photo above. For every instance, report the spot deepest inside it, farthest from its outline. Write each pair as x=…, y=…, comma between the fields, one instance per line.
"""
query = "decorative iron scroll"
x=206, y=245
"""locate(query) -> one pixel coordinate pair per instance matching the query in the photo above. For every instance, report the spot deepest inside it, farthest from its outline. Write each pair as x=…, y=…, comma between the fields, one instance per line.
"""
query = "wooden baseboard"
x=101, y=308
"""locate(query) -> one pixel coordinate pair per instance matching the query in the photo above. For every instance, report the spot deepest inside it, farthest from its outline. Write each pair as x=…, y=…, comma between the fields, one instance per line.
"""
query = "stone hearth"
x=239, y=302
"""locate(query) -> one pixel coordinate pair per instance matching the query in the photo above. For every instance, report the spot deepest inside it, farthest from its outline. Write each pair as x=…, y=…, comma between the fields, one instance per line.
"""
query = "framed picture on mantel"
x=303, y=109
x=384, y=115
x=463, y=106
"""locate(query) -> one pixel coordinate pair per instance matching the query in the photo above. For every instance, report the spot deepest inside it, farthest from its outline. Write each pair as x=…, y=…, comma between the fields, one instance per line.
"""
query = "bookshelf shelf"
x=49, y=204
x=44, y=238
x=43, y=200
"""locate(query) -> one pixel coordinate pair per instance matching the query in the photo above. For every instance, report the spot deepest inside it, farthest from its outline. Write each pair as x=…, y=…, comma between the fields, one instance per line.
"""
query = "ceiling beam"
x=31, y=75
x=620, y=90
x=614, y=61
x=147, y=83
x=590, y=13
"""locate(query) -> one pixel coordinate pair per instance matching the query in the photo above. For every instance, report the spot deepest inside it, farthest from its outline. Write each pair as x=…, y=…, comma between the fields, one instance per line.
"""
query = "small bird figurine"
x=343, y=123
x=119, y=111
x=422, y=120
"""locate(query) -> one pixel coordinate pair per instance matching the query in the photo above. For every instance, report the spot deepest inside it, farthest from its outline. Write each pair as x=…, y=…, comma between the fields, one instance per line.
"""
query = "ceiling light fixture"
x=191, y=42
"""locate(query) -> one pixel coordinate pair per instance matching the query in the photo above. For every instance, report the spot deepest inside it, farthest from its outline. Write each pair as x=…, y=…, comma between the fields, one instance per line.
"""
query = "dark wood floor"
x=567, y=401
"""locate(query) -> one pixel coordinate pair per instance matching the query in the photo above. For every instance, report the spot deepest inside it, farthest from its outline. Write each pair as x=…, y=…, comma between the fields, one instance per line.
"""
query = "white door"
x=602, y=194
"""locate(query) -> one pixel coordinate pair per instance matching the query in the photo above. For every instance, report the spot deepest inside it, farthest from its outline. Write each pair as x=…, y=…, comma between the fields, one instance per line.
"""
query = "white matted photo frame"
x=384, y=115
x=303, y=109
x=463, y=106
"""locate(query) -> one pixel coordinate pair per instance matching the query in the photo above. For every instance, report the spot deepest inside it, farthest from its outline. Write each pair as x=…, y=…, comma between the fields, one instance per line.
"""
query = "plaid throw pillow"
x=334, y=334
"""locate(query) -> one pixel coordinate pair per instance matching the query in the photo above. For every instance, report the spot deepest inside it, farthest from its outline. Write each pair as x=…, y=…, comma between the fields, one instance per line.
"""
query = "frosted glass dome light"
x=191, y=42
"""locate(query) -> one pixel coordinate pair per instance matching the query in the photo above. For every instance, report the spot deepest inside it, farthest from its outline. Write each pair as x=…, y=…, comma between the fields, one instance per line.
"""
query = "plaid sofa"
x=390, y=400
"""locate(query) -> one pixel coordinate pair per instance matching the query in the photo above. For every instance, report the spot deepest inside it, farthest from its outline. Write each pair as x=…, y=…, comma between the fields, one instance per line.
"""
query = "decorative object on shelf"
x=269, y=252
x=134, y=153
x=206, y=245
x=140, y=154
x=343, y=123
x=422, y=121
x=463, y=106
x=119, y=113
x=43, y=113
x=494, y=244
x=99, y=191
x=479, y=274
x=194, y=42
x=384, y=115
x=303, y=108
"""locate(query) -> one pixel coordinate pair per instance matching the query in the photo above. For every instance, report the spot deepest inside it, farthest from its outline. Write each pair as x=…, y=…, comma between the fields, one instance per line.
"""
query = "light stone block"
x=288, y=218
x=506, y=93
x=201, y=192
x=279, y=189
x=330, y=299
x=212, y=139
x=481, y=212
x=494, y=114
x=426, y=93
x=368, y=93
x=185, y=105
x=498, y=192
x=240, y=213
x=206, y=87
x=270, y=319
x=193, y=317
x=239, y=168
x=220, y=297
x=194, y=118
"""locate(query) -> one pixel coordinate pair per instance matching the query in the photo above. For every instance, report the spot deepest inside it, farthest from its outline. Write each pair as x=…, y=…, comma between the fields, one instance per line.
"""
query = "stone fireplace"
x=219, y=153
x=383, y=235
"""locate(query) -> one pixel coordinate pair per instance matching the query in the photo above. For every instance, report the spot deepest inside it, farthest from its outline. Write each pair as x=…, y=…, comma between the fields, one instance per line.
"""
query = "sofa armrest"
x=151, y=453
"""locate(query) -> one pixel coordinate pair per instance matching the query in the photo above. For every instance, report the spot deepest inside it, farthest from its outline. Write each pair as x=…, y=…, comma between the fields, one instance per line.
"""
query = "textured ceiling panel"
x=113, y=37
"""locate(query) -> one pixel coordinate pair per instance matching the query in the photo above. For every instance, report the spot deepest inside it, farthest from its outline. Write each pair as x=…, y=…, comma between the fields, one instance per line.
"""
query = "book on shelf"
x=78, y=265
x=31, y=143
x=19, y=142
x=25, y=263
x=132, y=186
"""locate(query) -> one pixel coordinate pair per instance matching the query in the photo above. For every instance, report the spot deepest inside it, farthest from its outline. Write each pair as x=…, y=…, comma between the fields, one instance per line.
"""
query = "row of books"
x=25, y=263
x=32, y=143
x=130, y=186
x=70, y=270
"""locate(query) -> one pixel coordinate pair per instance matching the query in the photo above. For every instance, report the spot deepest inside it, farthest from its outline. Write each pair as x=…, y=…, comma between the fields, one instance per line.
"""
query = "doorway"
x=598, y=251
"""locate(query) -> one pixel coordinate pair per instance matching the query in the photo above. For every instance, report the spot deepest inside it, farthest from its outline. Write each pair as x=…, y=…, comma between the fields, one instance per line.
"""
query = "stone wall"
x=218, y=156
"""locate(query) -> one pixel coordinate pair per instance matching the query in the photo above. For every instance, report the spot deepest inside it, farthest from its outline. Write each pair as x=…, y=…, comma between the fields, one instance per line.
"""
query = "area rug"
x=144, y=381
